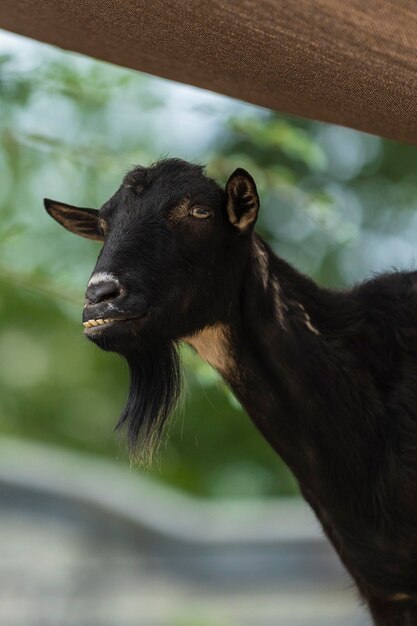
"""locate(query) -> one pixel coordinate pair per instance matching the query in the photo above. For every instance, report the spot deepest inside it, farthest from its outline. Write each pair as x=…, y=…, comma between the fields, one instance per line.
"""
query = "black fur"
x=330, y=378
x=154, y=390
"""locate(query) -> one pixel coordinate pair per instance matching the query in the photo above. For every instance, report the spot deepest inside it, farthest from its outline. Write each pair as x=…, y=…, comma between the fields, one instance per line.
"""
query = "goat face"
x=175, y=251
x=172, y=255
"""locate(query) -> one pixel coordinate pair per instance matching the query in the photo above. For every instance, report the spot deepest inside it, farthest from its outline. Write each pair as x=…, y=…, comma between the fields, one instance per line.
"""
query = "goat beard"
x=155, y=387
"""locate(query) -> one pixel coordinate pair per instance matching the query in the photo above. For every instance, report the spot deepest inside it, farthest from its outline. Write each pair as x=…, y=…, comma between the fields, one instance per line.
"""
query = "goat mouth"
x=99, y=324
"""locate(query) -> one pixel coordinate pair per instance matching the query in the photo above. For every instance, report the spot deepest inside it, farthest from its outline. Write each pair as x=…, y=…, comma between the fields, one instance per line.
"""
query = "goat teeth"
x=99, y=322
x=92, y=323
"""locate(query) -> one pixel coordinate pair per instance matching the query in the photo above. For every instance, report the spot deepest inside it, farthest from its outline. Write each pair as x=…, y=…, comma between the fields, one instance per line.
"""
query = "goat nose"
x=102, y=291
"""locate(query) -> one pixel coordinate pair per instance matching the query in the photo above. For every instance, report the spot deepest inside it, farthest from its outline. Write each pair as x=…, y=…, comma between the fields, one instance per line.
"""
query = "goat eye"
x=200, y=213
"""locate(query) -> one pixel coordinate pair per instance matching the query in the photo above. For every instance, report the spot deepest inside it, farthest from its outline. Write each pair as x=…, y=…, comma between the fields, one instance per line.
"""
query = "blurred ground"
x=112, y=555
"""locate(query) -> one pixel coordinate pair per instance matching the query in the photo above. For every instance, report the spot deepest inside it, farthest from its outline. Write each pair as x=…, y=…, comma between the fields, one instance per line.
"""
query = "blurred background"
x=338, y=204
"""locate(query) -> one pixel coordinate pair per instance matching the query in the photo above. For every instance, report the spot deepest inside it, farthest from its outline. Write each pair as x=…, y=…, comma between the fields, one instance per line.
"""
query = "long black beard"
x=154, y=391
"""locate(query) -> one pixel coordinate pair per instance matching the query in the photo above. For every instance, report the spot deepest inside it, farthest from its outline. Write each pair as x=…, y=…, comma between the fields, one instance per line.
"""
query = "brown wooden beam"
x=348, y=62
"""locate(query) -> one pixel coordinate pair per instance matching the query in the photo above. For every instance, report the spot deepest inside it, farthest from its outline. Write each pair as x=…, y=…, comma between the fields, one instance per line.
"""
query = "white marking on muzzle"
x=103, y=277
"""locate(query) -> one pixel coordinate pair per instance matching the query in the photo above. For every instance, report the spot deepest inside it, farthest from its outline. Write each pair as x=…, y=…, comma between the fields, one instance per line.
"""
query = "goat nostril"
x=102, y=292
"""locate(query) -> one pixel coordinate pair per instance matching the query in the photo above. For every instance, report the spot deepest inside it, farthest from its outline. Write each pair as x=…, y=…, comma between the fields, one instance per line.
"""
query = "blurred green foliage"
x=336, y=203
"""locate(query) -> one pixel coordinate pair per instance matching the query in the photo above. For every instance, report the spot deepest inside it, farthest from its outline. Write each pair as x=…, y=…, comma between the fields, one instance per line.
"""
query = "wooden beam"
x=352, y=63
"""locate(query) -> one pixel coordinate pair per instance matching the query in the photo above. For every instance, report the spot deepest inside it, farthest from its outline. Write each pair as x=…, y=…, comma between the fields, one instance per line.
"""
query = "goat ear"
x=242, y=200
x=83, y=222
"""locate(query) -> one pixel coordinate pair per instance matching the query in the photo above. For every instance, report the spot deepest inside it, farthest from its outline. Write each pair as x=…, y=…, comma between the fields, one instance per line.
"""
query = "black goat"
x=329, y=378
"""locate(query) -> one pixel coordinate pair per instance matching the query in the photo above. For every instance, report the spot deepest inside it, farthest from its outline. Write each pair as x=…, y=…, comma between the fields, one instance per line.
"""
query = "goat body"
x=330, y=379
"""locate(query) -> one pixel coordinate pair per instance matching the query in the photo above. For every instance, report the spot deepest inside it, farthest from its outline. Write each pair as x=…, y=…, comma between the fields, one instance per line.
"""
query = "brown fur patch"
x=399, y=597
x=103, y=225
x=178, y=212
x=269, y=282
x=307, y=320
x=213, y=345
